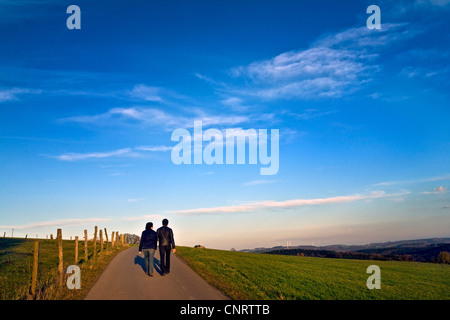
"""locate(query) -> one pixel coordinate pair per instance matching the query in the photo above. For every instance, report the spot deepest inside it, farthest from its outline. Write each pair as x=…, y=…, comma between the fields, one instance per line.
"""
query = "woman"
x=147, y=245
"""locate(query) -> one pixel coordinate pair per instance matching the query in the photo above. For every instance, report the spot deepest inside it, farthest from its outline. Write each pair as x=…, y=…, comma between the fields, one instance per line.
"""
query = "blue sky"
x=87, y=117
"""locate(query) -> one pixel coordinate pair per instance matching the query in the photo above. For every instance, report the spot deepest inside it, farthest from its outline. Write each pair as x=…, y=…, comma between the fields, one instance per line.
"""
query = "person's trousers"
x=164, y=253
x=148, y=257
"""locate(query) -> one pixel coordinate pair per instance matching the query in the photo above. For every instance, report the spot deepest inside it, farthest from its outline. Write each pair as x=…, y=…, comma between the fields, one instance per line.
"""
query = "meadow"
x=239, y=275
x=16, y=265
x=252, y=276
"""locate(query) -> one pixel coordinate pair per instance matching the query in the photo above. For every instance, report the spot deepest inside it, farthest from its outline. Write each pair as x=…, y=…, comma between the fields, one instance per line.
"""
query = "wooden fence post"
x=76, y=250
x=85, y=246
x=101, y=240
x=35, y=269
x=95, y=241
x=60, y=254
x=112, y=239
x=106, y=235
x=117, y=238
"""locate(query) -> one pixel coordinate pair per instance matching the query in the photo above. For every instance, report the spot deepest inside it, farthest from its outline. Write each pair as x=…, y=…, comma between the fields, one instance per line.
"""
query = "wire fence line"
x=36, y=268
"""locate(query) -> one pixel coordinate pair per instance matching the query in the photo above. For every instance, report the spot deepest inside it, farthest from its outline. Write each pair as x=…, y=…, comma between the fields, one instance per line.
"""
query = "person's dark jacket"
x=165, y=237
x=148, y=239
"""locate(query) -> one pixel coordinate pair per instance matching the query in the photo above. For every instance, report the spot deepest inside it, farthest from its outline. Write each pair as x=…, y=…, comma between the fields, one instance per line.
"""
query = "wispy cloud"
x=14, y=93
x=154, y=148
x=412, y=181
x=53, y=223
x=146, y=93
x=126, y=152
x=296, y=203
x=150, y=116
x=333, y=66
x=309, y=114
x=303, y=74
x=154, y=117
x=235, y=104
x=260, y=182
x=427, y=64
x=362, y=38
x=437, y=190
x=154, y=217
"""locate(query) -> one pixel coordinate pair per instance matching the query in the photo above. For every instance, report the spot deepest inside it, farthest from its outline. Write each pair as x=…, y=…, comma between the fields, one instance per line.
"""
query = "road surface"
x=124, y=279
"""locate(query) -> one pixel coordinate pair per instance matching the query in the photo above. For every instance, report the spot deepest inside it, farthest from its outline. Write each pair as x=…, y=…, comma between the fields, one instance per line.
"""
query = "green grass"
x=16, y=264
x=275, y=277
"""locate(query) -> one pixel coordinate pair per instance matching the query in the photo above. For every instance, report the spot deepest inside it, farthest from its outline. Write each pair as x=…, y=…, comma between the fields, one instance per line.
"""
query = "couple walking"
x=147, y=245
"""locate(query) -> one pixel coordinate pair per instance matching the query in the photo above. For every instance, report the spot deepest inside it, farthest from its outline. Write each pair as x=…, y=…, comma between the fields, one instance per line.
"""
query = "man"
x=148, y=246
x=166, y=242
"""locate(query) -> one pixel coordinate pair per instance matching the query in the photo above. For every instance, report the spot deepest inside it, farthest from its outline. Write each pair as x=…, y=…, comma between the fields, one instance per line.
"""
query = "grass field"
x=16, y=264
x=275, y=277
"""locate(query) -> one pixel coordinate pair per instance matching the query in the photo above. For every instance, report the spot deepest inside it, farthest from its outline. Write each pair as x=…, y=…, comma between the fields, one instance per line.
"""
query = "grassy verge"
x=16, y=264
x=275, y=277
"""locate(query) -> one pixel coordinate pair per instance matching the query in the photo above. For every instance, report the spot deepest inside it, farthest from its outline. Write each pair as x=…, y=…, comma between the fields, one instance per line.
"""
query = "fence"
x=116, y=241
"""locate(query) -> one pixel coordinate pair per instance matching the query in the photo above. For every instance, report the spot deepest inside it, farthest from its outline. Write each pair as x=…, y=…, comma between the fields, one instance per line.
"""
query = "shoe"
x=167, y=272
x=150, y=275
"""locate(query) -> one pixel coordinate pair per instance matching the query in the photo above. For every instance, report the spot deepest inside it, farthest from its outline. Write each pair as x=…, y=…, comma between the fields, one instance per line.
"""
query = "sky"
x=87, y=117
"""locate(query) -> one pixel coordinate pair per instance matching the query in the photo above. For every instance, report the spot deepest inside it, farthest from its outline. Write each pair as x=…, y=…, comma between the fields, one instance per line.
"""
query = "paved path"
x=124, y=279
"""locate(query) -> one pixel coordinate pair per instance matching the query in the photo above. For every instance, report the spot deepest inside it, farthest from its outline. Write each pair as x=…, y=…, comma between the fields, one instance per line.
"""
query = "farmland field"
x=275, y=277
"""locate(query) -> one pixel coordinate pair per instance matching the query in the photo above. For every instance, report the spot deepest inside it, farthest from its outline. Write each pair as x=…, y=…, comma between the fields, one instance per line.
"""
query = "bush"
x=443, y=257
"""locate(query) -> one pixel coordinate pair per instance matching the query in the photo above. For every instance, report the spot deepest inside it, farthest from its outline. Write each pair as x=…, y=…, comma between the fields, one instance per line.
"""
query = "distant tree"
x=232, y=249
x=443, y=257
x=132, y=238
x=404, y=257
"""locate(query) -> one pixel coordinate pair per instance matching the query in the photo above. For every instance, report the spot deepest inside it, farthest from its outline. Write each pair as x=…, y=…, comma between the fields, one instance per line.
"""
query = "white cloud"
x=156, y=217
x=315, y=62
x=412, y=181
x=61, y=222
x=296, y=203
x=260, y=182
x=364, y=38
x=146, y=93
x=154, y=148
x=333, y=66
x=154, y=117
x=149, y=116
x=127, y=152
x=437, y=190
x=13, y=93
x=236, y=104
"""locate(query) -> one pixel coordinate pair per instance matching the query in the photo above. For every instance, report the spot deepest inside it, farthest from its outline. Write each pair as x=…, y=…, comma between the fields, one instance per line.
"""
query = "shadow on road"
x=140, y=261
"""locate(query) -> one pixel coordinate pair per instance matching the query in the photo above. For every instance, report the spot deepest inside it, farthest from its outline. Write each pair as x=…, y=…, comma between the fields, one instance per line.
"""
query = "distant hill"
x=420, y=250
